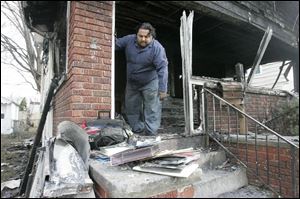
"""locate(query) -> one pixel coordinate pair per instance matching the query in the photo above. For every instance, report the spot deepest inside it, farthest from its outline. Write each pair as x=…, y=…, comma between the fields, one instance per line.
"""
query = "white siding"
x=6, y=122
x=11, y=112
x=268, y=75
x=34, y=109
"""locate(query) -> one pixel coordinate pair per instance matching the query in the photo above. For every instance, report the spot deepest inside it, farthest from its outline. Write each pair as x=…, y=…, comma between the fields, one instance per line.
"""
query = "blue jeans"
x=143, y=107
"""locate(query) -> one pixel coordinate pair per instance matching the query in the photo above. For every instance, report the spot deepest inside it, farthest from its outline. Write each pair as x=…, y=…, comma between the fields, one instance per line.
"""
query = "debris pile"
x=144, y=155
x=14, y=156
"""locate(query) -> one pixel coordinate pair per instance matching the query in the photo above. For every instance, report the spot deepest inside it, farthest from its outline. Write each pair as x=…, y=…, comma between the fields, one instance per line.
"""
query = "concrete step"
x=169, y=129
x=212, y=178
x=123, y=182
x=222, y=179
x=249, y=191
x=216, y=182
x=171, y=102
x=211, y=159
x=208, y=159
x=172, y=111
x=206, y=181
x=174, y=121
x=175, y=141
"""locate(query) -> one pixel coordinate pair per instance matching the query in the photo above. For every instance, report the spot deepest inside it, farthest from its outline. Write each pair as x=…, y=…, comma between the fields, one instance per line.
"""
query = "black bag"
x=110, y=135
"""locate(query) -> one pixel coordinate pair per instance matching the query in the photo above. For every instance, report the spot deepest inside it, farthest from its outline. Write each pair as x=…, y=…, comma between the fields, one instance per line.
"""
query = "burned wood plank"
x=186, y=30
x=260, y=53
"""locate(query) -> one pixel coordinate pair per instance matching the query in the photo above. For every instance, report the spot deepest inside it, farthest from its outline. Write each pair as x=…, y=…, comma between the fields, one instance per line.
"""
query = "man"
x=147, y=76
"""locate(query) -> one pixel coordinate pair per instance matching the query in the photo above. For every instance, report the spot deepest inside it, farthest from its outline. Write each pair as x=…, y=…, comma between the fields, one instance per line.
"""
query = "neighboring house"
x=266, y=75
x=34, y=113
x=9, y=114
x=12, y=119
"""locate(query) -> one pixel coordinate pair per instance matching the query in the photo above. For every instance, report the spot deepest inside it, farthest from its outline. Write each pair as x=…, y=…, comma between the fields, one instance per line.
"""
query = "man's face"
x=144, y=37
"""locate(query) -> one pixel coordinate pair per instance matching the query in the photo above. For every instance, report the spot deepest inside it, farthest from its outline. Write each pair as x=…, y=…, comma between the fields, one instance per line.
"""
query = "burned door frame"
x=186, y=28
x=189, y=81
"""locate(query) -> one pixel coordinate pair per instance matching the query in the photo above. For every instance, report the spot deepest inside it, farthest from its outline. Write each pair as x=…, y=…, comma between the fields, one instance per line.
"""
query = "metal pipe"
x=268, y=163
x=214, y=113
x=256, y=161
x=228, y=128
x=237, y=134
x=278, y=165
x=293, y=165
x=38, y=136
x=220, y=116
x=246, y=134
x=205, y=108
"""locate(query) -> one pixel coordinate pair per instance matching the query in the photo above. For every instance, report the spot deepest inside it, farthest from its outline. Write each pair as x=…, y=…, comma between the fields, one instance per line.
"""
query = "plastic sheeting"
x=68, y=172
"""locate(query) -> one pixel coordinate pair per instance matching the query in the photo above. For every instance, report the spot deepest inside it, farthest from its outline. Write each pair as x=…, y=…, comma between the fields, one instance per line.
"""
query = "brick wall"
x=280, y=172
x=87, y=89
x=184, y=192
x=257, y=105
x=218, y=115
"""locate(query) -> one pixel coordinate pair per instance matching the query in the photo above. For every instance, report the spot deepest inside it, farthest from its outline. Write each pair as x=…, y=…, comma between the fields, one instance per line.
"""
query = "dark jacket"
x=144, y=64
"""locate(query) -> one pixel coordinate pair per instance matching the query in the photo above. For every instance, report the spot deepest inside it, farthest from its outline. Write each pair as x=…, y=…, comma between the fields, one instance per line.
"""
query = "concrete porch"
x=209, y=180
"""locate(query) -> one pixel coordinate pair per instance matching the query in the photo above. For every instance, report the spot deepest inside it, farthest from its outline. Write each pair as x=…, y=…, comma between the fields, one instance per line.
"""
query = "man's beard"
x=143, y=44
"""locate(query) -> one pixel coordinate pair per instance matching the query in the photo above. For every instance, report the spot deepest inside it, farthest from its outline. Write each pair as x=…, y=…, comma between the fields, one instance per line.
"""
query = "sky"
x=13, y=85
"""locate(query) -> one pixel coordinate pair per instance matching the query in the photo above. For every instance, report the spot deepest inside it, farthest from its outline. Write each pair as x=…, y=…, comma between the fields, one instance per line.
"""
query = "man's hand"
x=162, y=95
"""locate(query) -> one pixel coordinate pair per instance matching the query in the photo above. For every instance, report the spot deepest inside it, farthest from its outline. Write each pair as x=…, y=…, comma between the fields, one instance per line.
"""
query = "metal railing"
x=273, y=166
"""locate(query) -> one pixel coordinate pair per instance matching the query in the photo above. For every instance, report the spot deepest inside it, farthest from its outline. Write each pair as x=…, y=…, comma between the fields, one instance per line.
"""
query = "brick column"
x=87, y=89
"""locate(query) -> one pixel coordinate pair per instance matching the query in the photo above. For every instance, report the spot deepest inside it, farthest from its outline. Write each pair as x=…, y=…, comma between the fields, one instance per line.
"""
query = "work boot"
x=140, y=133
x=148, y=133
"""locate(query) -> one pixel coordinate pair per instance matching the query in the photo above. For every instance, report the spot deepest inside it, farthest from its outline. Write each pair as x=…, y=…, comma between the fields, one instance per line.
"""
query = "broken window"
x=60, y=47
x=49, y=20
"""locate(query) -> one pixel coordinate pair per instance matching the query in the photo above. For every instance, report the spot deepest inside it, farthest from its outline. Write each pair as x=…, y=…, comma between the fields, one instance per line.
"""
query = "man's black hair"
x=147, y=26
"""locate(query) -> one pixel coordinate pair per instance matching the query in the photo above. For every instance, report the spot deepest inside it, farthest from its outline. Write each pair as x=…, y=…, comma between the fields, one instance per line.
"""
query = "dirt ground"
x=14, y=157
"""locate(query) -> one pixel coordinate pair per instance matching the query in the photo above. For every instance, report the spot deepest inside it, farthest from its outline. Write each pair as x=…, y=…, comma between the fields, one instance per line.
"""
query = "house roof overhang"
x=237, y=27
x=231, y=31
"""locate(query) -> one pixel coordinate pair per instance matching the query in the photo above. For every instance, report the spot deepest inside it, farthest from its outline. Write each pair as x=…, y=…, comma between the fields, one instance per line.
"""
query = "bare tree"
x=24, y=59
